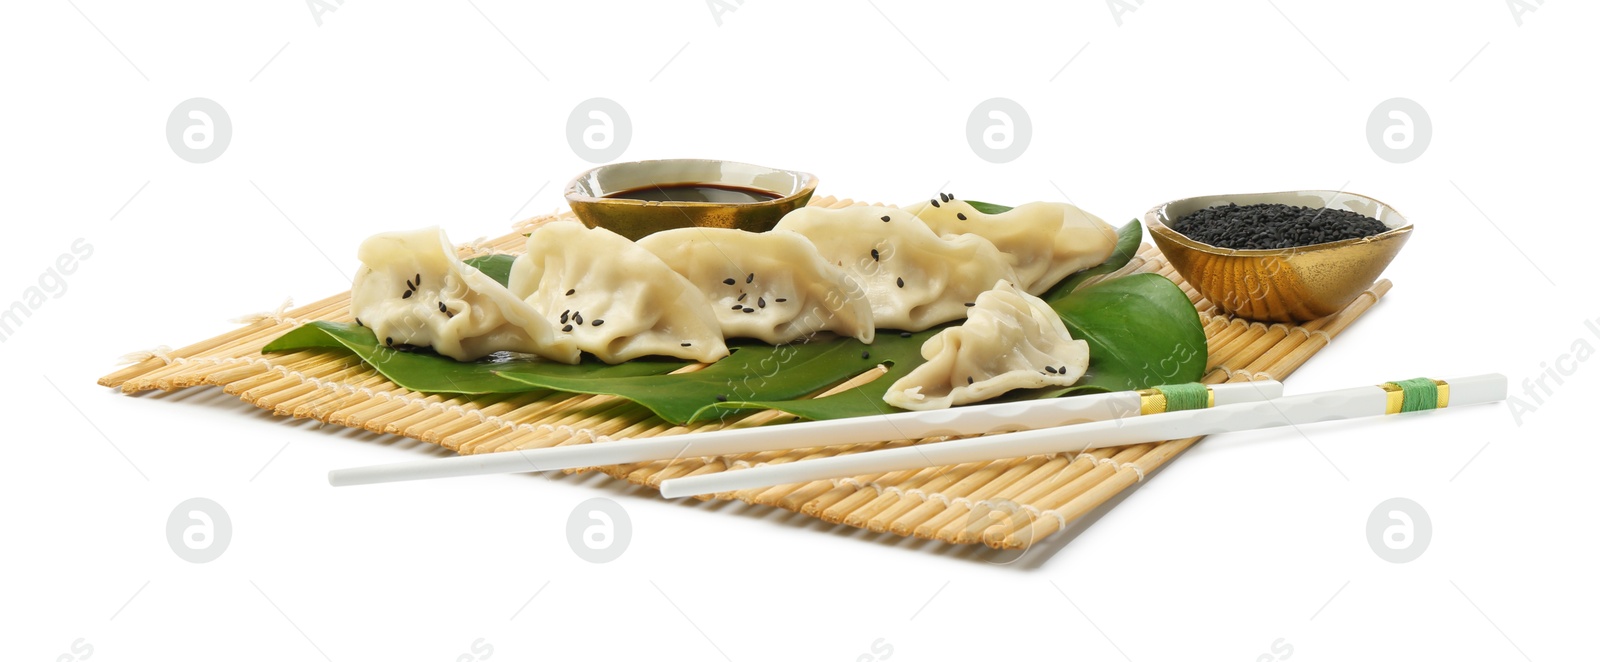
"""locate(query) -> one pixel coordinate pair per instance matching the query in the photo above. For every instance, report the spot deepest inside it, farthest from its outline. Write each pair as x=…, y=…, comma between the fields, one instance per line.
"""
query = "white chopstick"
x=977, y=419
x=1292, y=410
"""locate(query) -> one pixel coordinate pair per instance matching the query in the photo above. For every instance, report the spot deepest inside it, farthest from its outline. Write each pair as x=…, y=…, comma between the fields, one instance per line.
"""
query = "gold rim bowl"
x=1281, y=285
x=634, y=219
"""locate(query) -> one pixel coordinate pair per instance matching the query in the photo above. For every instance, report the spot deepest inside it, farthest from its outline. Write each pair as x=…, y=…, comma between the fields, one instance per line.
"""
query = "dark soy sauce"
x=718, y=193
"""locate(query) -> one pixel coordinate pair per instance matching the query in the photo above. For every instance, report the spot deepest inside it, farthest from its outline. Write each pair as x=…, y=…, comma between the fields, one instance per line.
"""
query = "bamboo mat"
x=1007, y=504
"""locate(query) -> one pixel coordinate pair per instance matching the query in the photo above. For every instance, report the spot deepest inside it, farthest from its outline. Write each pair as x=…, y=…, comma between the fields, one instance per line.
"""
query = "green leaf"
x=1142, y=331
x=1116, y=359
x=431, y=373
x=888, y=347
x=1128, y=238
x=988, y=207
x=497, y=266
x=753, y=371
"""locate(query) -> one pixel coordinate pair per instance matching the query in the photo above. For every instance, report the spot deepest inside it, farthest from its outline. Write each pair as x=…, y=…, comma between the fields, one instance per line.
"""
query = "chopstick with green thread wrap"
x=1388, y=398
x=975, y=419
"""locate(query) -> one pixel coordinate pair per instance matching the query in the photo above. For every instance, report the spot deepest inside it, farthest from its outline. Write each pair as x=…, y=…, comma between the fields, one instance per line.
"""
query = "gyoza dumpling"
x=773, y=286
x=616, y=300
x=913, y=277
x=413, y=290
x=1045, y=241
x=1010, y=340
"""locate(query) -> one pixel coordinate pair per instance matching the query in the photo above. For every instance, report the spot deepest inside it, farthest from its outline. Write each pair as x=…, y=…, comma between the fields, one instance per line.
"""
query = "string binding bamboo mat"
x=1006, y=504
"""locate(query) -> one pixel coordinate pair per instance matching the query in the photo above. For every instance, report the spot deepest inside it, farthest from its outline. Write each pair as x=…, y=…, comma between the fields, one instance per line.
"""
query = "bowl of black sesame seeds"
x=1291, y=256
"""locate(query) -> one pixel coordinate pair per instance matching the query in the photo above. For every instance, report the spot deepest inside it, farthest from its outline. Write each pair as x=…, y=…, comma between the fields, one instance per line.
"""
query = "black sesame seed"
x=442, y=309
x=722, y=398
x=737, y=306
x=874, y=255
x=1062, y=370
x=971, y=304
x=969, y=379
x=864, y=354
x=571, y=292
x=935, y=202
x=1050, y=369
x=961, y=216
x=899, y=282
x=750, y=278
x=388, y=341
x=761, y=303
x=567, y=328
x=780, y=300
x=905, y=334
x=943, y=197
x=564, y=315
x=406, y=294
x=419, y=280
x=728, y=281
x=1270, y=226
x=886, y=219
x=683, y=344
x=749, y=310
x=577, y=318
x=597, y=323
x=742, y=295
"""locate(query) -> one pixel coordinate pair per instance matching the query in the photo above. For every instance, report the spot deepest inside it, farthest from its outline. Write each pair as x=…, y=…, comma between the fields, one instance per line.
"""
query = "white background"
x=403, y=114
